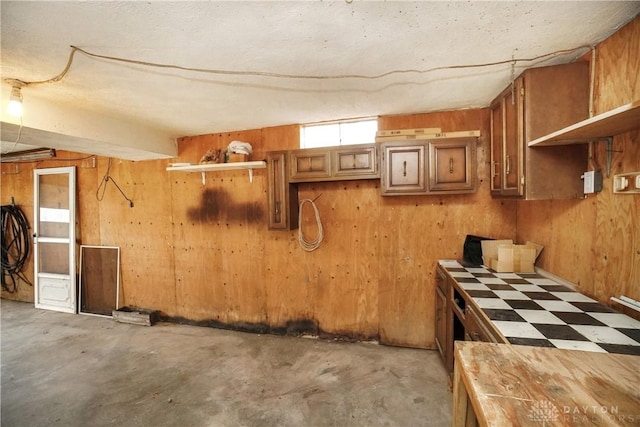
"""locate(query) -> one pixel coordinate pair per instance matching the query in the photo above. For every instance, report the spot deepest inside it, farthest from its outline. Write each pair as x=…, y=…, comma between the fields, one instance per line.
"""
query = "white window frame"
x=337, y=140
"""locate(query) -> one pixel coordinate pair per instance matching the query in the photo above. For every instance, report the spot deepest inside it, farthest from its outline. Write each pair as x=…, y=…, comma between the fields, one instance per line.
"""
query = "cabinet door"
x=310, y=165
x=540, y=101
x=441, y=324
x=283, y=197
x=497, y=143
x=404, y=170
x=513, y=144
x=452, y=166
x=444, y=321
x=356, y=162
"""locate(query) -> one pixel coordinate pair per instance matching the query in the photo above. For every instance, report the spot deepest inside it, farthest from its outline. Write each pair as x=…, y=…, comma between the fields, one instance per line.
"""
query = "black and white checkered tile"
x=530, y=309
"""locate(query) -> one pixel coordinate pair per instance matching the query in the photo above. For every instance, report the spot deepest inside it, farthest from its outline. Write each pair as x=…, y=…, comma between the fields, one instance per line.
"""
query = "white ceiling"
x=306, y=38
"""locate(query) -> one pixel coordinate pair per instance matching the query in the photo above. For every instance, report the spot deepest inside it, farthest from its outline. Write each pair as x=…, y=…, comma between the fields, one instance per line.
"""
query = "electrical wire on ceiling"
x=75, y=49
x=17, y=141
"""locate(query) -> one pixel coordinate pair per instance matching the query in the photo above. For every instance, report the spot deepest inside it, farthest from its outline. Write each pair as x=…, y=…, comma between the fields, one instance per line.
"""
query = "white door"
x=54, y=238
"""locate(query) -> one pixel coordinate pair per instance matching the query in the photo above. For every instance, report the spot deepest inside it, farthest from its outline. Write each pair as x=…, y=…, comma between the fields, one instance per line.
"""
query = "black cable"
x=16, y=247
x=102, y=187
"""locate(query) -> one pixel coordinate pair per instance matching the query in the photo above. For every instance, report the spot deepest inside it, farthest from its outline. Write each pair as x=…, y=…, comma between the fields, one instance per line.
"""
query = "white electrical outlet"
x=626, y=183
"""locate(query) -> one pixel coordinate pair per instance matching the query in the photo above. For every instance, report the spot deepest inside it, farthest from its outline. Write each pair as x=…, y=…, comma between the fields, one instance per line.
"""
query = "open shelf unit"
x=605, y=125
x=212, y=167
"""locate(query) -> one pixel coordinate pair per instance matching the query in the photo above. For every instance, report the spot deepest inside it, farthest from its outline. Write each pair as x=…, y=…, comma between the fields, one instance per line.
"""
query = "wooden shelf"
x=614, y=122
x=212, y=167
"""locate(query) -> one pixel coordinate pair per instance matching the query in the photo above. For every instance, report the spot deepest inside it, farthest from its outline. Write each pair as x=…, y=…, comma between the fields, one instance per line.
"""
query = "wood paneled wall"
x=202, y=253
x=595, y=242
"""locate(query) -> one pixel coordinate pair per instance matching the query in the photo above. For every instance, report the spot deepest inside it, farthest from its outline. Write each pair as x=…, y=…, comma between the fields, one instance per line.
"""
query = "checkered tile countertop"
x=530, y=309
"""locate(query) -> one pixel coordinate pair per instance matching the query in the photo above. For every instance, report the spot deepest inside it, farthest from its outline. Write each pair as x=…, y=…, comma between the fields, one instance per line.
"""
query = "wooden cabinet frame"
x=282, y=196
x=444, y=320
x=540, y=101
x=425, y=167
x=452, y=166
x=286, y=169
x=310, y=165
x=462, y=319
x=342, y=163
x=355, y=162
x=404, y=169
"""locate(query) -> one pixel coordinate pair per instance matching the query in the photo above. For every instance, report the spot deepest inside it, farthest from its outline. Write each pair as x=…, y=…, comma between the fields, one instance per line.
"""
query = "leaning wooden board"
x=507, y=385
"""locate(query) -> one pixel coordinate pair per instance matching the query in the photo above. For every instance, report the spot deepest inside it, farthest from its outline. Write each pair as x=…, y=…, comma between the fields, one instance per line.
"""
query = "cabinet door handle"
x=354, y=161
x=405, y=168
x=310, y=164
x=277, y=208
x=451, y=165
x=508, y=171
x=493, y=169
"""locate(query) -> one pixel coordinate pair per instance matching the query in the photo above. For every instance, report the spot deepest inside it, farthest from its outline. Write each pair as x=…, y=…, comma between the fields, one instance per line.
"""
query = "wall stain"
x=217, y=204
x=296, y=328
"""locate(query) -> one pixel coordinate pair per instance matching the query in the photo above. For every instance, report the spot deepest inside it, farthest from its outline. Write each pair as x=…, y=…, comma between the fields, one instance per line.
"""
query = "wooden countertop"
x=539, y=386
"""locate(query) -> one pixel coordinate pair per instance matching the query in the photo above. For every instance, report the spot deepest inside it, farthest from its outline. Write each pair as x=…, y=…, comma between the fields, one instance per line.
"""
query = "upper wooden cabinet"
x=282, y=196
x=540, y=101
x=452, y=165
x=429, y=167
x=310, y=165
x=287, y=169
x=334, y=164
x=404, y=168
x=355, y=162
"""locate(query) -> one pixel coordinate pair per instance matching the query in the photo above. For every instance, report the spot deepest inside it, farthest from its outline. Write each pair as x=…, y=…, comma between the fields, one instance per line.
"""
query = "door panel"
x=54, y=239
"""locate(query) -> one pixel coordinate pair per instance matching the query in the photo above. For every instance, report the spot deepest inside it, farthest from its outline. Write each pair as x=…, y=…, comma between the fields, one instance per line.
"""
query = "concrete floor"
x=76, y=370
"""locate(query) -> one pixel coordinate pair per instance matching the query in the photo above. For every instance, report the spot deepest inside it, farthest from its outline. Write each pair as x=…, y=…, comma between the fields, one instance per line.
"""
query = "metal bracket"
x=609, y=149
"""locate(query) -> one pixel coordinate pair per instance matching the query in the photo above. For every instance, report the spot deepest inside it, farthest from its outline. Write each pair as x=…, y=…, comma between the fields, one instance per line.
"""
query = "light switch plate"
x=592, y=182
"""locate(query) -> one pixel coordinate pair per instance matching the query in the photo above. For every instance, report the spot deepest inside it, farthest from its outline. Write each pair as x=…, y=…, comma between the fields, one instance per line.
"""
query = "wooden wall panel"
x=291, y=295
x=143, y=232
x=204, y=253
x=217, y=227
x=595, y=242
x=344, y=268
x=17, y=183
x=418, y=231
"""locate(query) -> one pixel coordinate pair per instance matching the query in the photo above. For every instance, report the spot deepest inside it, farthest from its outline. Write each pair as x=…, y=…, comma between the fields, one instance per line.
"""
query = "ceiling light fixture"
x=38, y=153
x=15, y=99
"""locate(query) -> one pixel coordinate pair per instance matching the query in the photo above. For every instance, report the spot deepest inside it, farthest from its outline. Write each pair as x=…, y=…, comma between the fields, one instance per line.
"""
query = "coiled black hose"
x=16, y=247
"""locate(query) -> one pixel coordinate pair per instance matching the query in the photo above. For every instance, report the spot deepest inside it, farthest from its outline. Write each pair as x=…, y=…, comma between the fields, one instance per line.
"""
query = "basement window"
x=343, y=132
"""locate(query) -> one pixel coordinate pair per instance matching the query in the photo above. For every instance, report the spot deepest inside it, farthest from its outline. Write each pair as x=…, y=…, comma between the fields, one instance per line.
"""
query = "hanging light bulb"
x=15, y=99
x=15, y=102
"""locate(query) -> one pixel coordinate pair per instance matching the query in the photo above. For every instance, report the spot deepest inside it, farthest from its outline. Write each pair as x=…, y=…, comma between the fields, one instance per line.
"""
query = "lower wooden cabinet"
x=458, y=318
x=476, y=329
x=429, y=167
x=444, y=321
